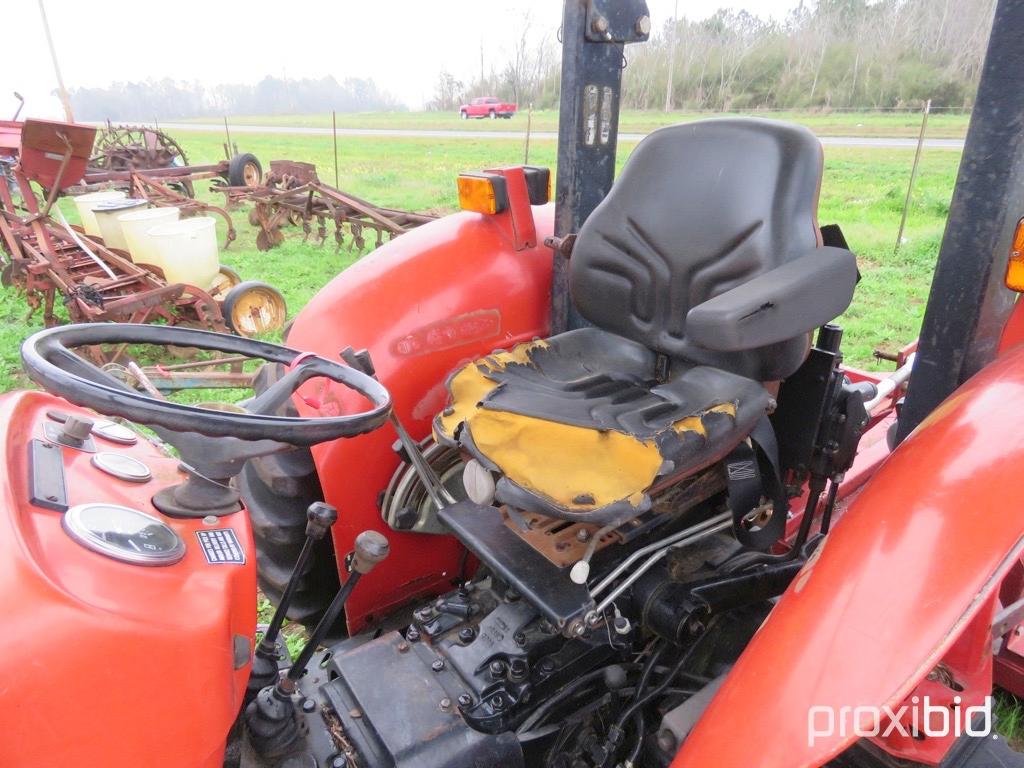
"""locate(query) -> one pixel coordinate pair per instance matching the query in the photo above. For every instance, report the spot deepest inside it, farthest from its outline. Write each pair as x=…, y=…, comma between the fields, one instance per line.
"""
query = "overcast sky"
x=401, y=44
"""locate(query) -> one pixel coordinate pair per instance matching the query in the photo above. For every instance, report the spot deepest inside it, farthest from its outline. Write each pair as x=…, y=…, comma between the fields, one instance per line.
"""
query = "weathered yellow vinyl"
x=578, y=468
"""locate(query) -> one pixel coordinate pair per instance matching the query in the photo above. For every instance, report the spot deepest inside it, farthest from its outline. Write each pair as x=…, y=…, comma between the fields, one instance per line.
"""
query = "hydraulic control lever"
x=431, y=483
x=319, y=518
x=271, y=724
x=371, y=548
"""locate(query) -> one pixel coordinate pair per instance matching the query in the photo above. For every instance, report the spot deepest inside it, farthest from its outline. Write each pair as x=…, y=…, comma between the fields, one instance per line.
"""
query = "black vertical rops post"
x=594, y=36
x=968, y=304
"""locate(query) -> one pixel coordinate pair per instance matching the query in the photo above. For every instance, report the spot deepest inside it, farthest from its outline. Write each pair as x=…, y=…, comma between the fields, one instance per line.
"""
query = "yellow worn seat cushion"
x=579, y=426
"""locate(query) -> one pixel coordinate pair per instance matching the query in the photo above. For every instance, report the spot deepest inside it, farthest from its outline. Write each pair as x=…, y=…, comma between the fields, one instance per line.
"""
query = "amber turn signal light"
x=482, y=192
x=1015, y=265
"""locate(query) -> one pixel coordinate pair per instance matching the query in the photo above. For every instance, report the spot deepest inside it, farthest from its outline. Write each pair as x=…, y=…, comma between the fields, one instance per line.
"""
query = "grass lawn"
x=863, y=191
x=889, y=124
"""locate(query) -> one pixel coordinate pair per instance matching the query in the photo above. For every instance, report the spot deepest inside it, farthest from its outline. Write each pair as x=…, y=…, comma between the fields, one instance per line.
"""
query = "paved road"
x=403, y=133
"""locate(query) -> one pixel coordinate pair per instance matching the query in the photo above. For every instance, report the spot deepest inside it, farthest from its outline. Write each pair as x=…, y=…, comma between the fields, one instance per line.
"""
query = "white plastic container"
x=107, y=214
x=187, y=250
x=135, y=227
x=85, y=203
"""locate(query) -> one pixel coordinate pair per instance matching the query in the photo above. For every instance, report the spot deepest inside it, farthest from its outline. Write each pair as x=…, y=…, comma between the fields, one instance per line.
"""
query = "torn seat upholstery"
x=703, y=274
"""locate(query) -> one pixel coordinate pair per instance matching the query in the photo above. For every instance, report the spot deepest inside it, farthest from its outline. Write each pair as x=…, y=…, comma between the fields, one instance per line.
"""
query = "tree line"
x=832, y=54
x=167, y=99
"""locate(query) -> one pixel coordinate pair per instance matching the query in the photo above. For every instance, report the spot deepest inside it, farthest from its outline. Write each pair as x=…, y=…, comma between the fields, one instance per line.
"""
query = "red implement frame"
x=47, y=257
x=292, y=193
x=155, y=186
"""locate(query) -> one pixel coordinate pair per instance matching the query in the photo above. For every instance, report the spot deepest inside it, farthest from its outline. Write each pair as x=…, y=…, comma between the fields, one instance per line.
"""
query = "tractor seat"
x=703, y=274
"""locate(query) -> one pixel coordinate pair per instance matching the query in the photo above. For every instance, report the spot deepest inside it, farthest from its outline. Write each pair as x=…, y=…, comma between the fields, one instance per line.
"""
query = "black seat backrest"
x=698, y=209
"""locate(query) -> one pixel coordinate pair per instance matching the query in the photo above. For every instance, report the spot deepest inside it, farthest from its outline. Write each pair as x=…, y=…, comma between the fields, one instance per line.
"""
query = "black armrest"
x=781, y=304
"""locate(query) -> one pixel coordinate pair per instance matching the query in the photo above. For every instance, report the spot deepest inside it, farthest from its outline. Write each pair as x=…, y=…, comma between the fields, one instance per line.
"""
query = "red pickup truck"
x=487, y=106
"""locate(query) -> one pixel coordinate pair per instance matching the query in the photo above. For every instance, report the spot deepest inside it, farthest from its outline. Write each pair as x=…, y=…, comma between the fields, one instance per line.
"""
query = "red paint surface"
x=915, y=557
x=111, y=664
x=418, y=305
x=1013, y=331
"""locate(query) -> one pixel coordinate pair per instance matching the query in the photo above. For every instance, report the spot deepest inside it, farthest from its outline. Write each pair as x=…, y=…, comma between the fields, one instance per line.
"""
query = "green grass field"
x=863, y=191
x=940, y=124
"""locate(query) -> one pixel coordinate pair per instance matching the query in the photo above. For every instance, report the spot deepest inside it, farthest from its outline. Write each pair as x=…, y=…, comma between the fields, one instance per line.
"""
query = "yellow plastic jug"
x=187, y=250
x=85, y=203
x=107, y=214
x=135, y=227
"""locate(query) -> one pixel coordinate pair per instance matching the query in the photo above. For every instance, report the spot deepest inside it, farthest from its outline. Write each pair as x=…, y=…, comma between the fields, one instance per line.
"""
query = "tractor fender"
x=919, y=554
x=423, y=304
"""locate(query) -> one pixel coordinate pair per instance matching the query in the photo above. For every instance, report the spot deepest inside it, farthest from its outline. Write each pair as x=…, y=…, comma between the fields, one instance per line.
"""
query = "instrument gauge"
x=121, y=466
x=123, y=533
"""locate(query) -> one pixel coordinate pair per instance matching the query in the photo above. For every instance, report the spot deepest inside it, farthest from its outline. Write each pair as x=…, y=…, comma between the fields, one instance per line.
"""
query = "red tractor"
x=575, y=485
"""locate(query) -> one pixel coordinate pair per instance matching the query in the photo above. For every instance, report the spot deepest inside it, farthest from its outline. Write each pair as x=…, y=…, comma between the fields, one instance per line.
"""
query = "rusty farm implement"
x=292, y=194
x=51, y=261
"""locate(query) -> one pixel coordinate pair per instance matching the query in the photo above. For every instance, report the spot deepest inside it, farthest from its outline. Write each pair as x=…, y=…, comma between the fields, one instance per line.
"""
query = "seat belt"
x=752, y=473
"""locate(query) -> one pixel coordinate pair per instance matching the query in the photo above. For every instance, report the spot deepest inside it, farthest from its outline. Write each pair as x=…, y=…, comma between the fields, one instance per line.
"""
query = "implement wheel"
x=244, y=170
x=253, y=308
x=225, y=280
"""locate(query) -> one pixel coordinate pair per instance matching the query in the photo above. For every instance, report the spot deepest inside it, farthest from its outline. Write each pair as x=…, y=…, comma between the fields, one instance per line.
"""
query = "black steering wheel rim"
x=50, y=363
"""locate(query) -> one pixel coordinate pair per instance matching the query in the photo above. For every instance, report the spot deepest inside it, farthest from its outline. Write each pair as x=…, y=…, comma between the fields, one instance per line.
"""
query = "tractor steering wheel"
x=49, y=361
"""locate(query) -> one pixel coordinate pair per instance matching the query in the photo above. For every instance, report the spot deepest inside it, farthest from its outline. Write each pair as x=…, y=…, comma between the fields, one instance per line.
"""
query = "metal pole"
x=968, y=304
x=671, y=58
x=227, y=132
x=913, y=175
x=588, y=122
x=65, y=100
x=334, y=129
x=529, y=121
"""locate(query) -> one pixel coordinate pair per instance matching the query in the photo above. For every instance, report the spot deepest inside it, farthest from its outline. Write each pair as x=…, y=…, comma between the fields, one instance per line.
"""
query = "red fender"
x=110, y=664
x=422, y=304
x=1013, y=331
x=918, y=556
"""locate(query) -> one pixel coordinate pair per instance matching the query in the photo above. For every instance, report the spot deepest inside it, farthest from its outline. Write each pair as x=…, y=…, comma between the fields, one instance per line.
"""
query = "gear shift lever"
x=319, y=518
x=270, y=719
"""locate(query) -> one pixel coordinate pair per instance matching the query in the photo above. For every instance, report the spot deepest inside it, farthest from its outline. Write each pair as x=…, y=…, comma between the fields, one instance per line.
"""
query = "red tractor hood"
x=918, y=554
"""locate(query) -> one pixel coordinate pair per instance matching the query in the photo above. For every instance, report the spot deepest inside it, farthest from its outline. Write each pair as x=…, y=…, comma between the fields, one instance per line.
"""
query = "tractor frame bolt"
x=465, y=700
x=466, y=634
x=518, y=670
x=412, y=634
x=582, y=535
x=403, y=647
x=666, y=741
x=599, y=25
x=497, y=669
x=519, y=638
x=446, y=704
x=308, y=705
x=437, y=665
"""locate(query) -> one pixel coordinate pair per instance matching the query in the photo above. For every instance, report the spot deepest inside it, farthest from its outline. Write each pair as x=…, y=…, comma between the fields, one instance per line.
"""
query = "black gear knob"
x=319, y=518
x=371, y=548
